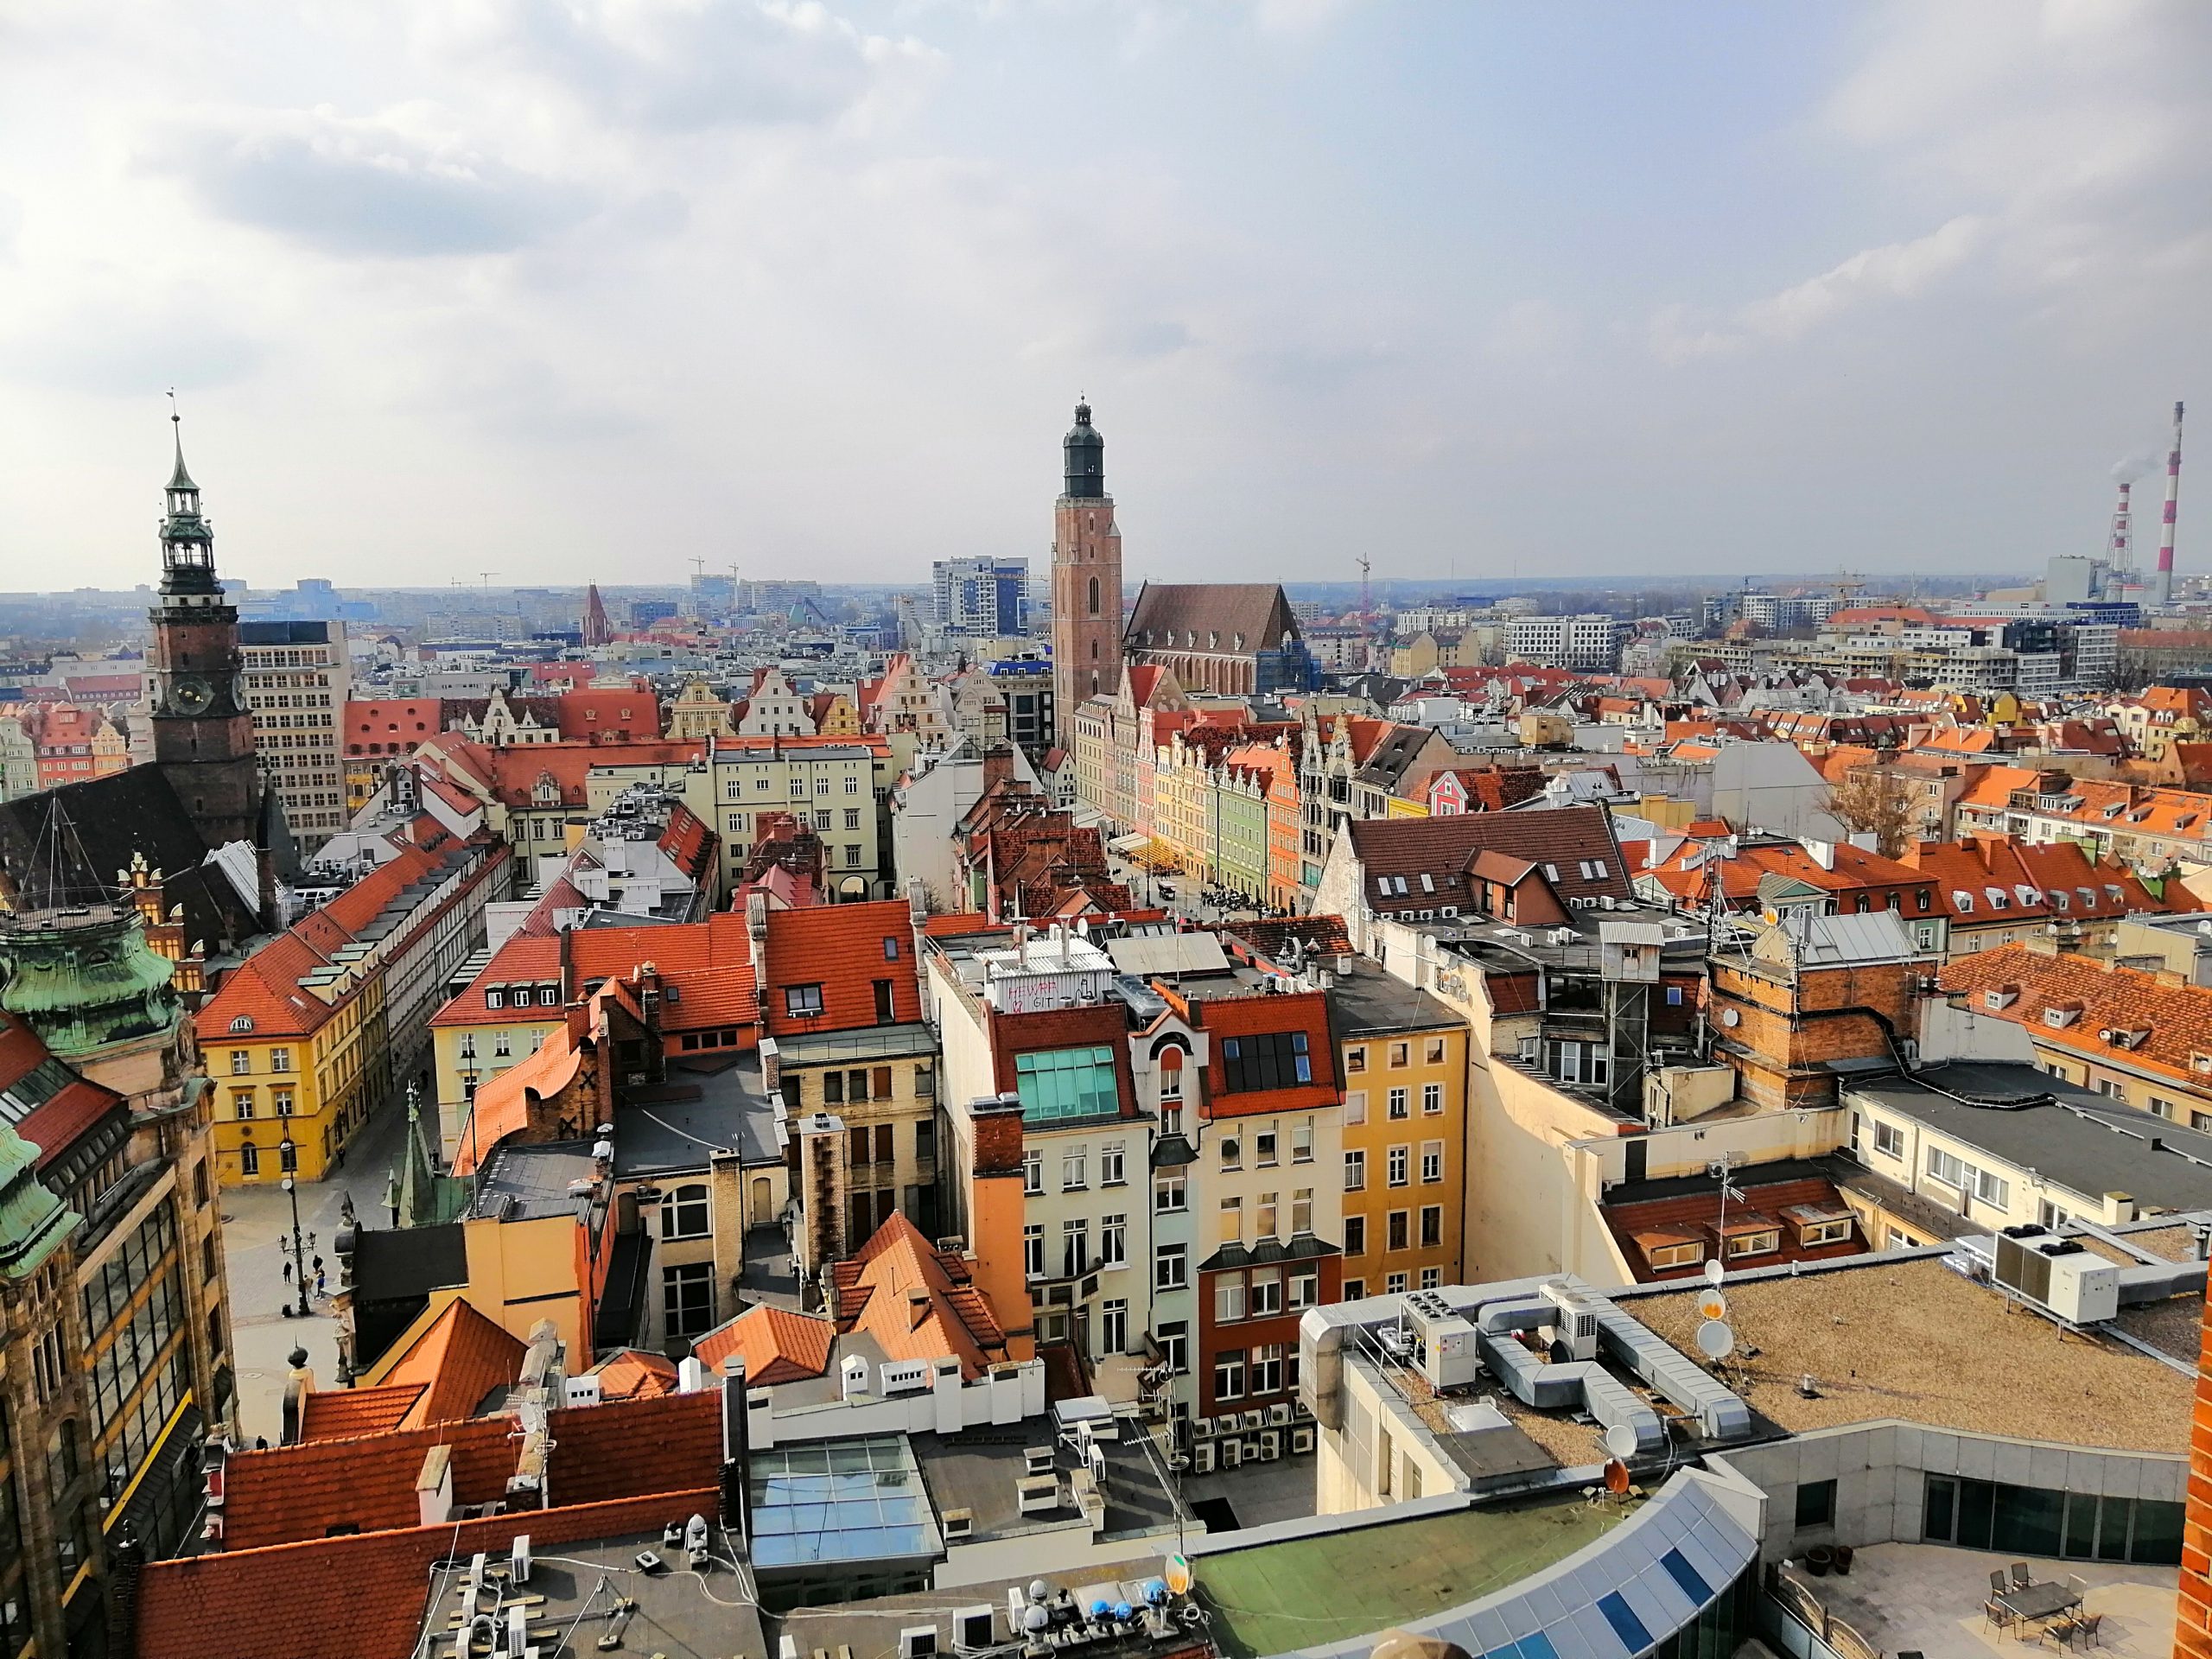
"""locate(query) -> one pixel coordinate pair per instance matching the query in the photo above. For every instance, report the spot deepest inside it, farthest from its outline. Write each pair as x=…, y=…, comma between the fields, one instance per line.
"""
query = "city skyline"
x=1483, y=296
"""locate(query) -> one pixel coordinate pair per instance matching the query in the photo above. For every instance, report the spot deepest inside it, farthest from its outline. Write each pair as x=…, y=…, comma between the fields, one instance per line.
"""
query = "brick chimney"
x=995, y=1215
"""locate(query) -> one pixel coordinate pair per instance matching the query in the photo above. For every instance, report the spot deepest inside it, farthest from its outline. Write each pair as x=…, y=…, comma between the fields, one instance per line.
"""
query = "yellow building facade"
x=1402, y=1055
x=280, y=1080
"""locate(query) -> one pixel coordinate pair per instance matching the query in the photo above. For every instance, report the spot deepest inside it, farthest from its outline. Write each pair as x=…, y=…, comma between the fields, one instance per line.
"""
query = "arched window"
x=684, y=1213
x=1094, y=651
x=1094, y=596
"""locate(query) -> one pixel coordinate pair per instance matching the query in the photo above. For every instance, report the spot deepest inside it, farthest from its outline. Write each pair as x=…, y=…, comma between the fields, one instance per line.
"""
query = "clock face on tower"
x=191, y=694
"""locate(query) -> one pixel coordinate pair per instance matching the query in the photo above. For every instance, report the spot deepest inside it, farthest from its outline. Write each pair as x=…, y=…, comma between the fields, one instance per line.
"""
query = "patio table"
x=2039, y=1601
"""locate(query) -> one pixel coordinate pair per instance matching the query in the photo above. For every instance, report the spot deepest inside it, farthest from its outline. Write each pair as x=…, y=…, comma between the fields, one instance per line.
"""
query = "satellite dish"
x=1712, y=1305
x=1715, y=1271
x=1715, y=1340
x=1620, y=1441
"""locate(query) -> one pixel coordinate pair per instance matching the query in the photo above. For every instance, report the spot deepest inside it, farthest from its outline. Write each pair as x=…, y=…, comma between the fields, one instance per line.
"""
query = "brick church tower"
x=203, y=733
x=1086, y=579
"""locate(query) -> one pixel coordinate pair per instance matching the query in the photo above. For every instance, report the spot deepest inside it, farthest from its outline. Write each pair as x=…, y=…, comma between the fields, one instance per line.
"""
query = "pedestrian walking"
x=288, y=1269
x=319, y=1283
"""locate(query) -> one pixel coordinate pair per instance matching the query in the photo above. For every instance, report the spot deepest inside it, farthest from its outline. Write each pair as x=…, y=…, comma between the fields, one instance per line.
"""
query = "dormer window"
x=495, y=998
x=2059, y=1015
x=1962, y=901
x=1998, y=998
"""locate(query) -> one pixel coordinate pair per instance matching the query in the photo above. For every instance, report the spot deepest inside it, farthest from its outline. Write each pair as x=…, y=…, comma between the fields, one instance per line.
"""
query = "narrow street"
x=254, y=1219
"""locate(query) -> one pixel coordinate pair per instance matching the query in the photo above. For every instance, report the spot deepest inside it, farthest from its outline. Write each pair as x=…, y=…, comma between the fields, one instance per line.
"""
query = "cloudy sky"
x=589, y=288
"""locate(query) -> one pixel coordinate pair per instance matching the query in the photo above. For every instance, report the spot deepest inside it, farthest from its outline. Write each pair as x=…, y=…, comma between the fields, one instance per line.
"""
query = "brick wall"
x=2193, y=1616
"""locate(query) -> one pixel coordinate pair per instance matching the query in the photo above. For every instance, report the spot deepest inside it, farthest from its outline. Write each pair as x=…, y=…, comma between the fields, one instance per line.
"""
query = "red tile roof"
x=1636, y=1227
x=357, y=1597
x=1566, y=837
x=844, y=949
x=600, y=1452
x=457, y=1364
x=778, y=1344
x=634, y=1374
x=348, y=1413
x=2162, y=1029
x=709, y=962
x=917, y=1302
x=1985, y=880
x=392, y=726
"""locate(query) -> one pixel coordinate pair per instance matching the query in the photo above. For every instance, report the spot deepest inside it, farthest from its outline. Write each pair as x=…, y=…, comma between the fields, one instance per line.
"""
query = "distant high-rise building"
x=1086, y=575
x=297, y=680
x=982, y=597
x=597, y=630
x=644, y=612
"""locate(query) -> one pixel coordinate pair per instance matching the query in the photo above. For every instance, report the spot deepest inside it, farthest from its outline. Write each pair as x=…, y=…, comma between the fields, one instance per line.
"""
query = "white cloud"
x=1899, y=271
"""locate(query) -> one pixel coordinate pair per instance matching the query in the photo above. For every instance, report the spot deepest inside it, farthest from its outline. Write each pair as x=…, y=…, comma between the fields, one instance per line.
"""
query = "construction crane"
x=1366, y=607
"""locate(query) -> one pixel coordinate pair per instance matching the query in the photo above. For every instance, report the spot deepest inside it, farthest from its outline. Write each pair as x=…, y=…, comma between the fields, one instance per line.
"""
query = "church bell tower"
x=1086, y=578
x=203, y=733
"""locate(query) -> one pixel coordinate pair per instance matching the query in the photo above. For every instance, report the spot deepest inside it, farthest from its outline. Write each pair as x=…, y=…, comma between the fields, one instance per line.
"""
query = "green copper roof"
x=85, y=980
x=32, y=1221
x=180, y=480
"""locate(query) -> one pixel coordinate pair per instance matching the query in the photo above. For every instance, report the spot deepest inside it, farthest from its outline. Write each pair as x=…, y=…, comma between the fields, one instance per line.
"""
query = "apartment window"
x=1432, y=1161
x=1889, y=1139
x=1431, y=1100
x=280, y=1059
x=1111, y=1164
x=1267, y=1214
x=1229, y=1374
x=1354, y=1289
x=686, y=1297
x=1431, y=1052
x=1267, y=1292
x=1401, y=1055
x=1175, y=1344
x=1431, y=1278
x=1305, y=1287
x=1266, y=1370
x=1170, y=1075
x=1355, y=1106
x=1228, y=1298
x=1033, y=1250
x=1113, y=1241
x=1356, y=1060
x=1072, y=1171
x=1400, y=1103
x=885, y=1013
x=1356, y=1171
x=1263, y=1149
x=925, y=1141
x=1232, y=1153
x=800, y=999
x=1301, y=1143
x=1992, y=1190
x=501, y=1047
x=1400, y=1160
x=1393, y=1284
x=1169, y=1263
x=1075, y=1248
x=1114, y=1325
x=1169, y=1193
x=1232, y=1217
x=1301, y=1211
x=1400, y=1230
x=833, y=1088
x=249, y=1160
x=242, y=1105
x=1032, y=1172
x=241, y=1061
x=852, y=817
x=1432, y=1225
x=684, y=1213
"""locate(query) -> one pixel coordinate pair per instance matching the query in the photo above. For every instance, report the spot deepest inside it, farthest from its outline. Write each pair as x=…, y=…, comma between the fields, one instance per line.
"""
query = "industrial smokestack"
x=2119, y=551
x=2163, y=592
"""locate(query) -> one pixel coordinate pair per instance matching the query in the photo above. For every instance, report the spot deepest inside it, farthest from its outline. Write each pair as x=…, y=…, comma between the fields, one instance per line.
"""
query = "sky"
x=592, y=290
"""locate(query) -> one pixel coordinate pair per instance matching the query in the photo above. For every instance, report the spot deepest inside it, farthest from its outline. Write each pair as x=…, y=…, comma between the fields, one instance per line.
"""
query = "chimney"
x=568, y=968
x=649, y=994
x=434, y=1487
x=735, y=1515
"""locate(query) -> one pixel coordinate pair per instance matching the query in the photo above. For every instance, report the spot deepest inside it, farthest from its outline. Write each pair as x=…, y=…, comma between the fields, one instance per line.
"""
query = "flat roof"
x=2071, y=1137
x=535, y=1175
x=1365, y=999
x=704, y=1107
x=1355, y=1581
x=1906, y=1336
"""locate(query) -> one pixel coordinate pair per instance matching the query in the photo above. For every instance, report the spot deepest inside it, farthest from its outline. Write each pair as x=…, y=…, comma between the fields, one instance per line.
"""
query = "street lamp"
x=299, y=1251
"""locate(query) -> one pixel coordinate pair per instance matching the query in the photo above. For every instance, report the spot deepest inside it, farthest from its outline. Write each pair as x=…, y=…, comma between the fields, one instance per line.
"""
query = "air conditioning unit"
x=1270, y=1445
x=1232, y=1452
x=971, y=1627
x=1252, y=1448
x=1301, y=1440
x=1279, y=1413
x=1576, y=1327
x=917, y=1642
x=958, y=1524
x=1255, y=1418
x=1202, y=1458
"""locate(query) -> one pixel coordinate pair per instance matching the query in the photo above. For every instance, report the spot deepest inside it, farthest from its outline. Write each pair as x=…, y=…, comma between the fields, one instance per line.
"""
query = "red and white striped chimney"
x=2163, y=592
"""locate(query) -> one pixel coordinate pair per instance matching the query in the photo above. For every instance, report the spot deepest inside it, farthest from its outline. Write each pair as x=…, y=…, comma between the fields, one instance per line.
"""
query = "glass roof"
x=842, y=1501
